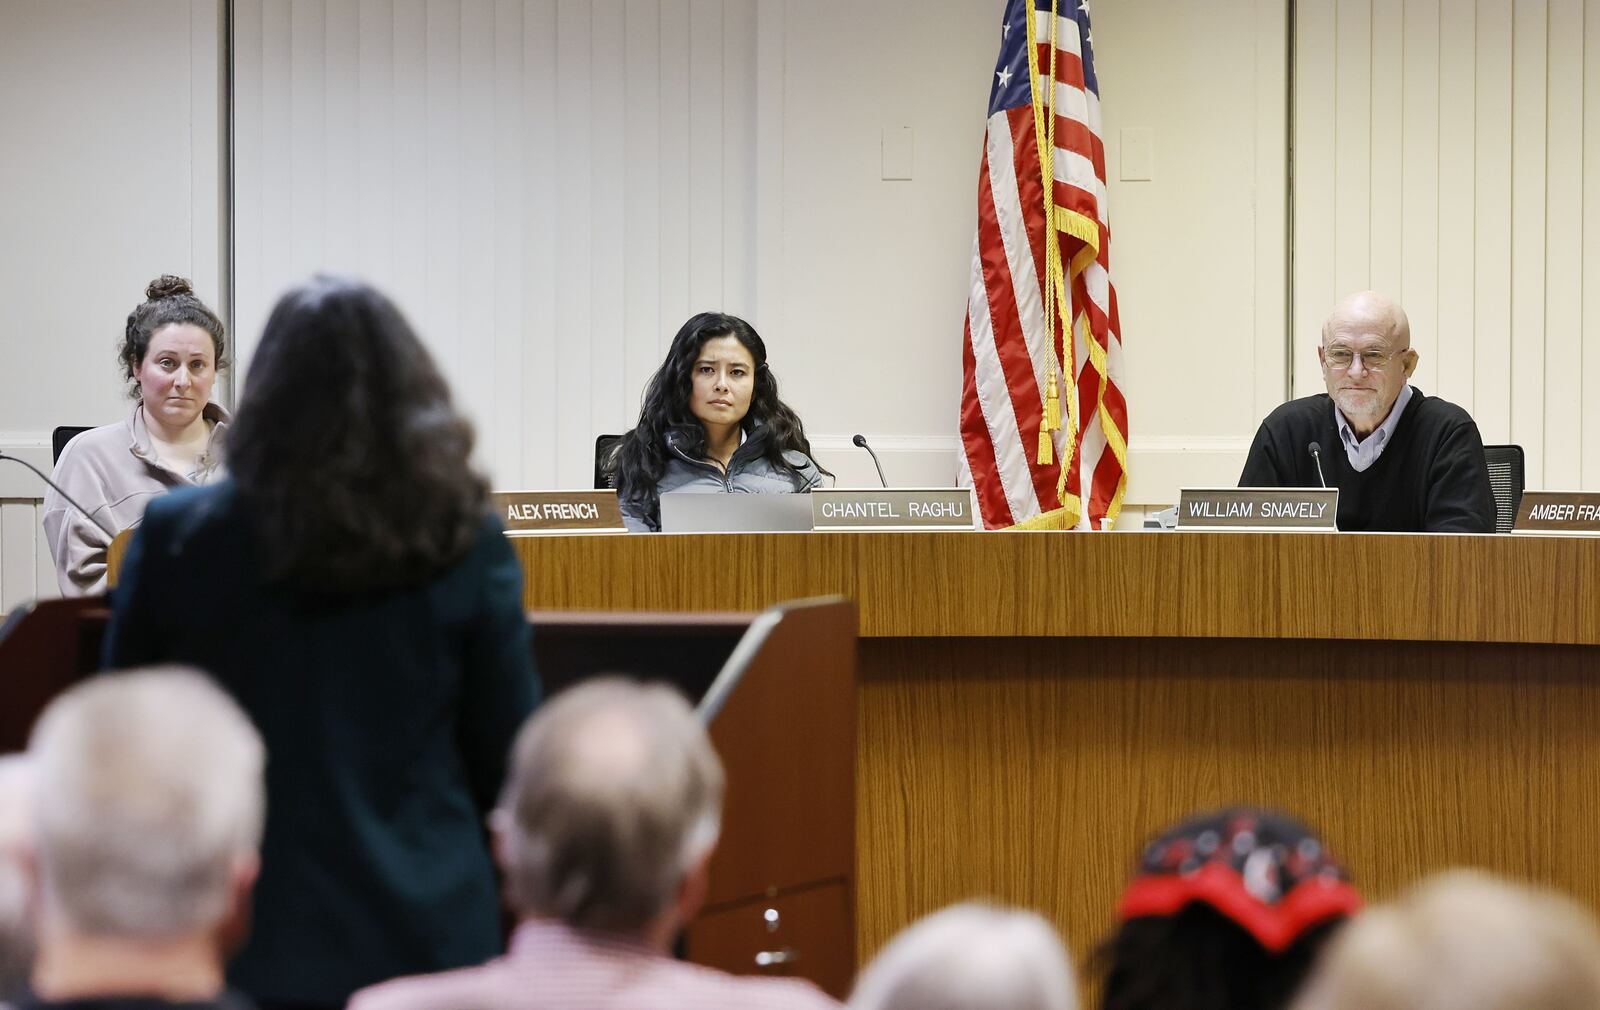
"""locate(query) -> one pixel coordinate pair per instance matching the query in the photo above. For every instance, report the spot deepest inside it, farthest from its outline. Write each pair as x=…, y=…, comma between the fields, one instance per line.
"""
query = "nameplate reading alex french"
x=559, y=511
x=1570, y=512
x=892, y=508
x=1259, y=508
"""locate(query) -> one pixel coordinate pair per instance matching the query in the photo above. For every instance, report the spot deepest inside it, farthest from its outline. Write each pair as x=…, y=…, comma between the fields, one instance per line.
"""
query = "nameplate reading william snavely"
x=1312, y=509
x=1575, y=513
x=585, y=511
x=892, y=509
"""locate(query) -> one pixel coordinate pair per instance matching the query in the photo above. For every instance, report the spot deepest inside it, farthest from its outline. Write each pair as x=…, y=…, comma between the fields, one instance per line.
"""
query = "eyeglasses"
x=1341, y=358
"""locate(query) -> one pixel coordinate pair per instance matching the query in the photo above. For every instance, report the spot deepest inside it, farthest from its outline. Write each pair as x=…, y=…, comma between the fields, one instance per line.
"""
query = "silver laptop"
x=721, y=512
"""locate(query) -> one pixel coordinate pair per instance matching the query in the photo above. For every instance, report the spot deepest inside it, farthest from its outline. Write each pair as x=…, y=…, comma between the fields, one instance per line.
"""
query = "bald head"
x=614, y=794
x=1366, y=358
x=1369, y=312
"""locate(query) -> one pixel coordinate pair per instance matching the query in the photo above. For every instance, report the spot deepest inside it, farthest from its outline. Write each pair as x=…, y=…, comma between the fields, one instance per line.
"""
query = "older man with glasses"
x=1402, y=460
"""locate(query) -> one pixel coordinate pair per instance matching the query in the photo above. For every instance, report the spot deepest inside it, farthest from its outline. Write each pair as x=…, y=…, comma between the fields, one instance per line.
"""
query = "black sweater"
x=1431, y=476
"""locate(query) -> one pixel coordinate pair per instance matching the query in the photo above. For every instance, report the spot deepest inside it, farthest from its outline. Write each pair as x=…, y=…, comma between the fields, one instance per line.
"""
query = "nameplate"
x=892, y=508
x=1259, y=508
x=1571, y=512
x=558, y=511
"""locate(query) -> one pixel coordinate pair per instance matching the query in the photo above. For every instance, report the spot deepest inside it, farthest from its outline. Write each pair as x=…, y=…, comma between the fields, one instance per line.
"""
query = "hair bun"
x=167, y=286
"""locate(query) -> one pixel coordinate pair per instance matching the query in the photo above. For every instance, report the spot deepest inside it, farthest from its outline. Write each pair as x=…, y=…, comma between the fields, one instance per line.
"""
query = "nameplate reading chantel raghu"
x=582, y=511
x=1250, y=508
x=892, y=508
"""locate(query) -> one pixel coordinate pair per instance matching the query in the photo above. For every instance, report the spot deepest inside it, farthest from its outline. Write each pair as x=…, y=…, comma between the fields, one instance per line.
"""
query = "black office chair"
x=59, y=439
x=602, y=448
x=1506, y=478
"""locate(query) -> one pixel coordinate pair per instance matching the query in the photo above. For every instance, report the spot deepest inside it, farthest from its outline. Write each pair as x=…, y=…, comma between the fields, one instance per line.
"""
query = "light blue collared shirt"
x=1363, y=452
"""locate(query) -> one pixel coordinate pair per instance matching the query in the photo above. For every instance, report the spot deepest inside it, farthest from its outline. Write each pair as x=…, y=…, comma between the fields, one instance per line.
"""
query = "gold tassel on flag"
x=1045, y=117
x=1050, y=422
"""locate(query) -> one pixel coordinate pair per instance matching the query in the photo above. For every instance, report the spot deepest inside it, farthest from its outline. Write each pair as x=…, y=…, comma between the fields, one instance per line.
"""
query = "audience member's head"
x=149, y=809
x=1227, y=912
x=1463, y=941
x=970, y=957
x=16, y=898
x=348, y=444
x=610, y=811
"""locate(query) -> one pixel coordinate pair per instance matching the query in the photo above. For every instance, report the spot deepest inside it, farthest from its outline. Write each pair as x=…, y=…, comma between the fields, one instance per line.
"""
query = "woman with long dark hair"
x=350, y=587
x=711, y=421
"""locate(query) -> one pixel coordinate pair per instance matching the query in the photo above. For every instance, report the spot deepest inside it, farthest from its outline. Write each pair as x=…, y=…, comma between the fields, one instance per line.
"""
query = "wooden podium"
x=777, y=690
x=1034, y=706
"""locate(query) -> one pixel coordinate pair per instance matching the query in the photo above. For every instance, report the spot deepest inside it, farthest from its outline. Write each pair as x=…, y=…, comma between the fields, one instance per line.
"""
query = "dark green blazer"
x=387, y=720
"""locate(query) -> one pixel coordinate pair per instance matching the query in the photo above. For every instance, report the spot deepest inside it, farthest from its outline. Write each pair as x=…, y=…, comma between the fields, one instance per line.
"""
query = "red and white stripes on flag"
x=1013, y=339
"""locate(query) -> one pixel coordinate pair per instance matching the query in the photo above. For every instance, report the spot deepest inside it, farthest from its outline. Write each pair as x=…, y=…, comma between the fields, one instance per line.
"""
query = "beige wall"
x=1198, y=250
x=1449, y=153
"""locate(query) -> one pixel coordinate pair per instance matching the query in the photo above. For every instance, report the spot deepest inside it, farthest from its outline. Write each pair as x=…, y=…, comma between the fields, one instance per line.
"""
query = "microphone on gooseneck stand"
x=86, y=513
x=1316, y=457
x=861, y=440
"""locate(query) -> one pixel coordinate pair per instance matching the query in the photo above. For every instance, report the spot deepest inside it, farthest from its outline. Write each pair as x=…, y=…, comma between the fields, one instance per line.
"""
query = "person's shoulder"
x=1438, y=410
x=447, y=990
x=192, y=509
x=1312, y=409
x=717, y=990
x=1298, y=417
x=93, y=447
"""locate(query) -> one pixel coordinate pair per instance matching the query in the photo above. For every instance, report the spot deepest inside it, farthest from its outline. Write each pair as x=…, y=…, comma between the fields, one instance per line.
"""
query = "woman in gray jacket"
x=711, y=422
x=172, y=349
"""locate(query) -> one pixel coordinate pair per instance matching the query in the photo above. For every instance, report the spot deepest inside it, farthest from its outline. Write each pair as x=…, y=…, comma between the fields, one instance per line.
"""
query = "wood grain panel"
x=1032, y=771
x=1206, y=585
x=812, y=926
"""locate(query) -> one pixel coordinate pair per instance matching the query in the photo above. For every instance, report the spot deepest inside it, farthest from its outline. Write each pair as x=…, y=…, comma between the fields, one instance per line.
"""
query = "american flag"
x=1014, y=340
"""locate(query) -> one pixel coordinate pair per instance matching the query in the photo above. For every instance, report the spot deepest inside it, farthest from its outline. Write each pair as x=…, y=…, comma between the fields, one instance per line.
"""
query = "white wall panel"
x=545, y=212
x=110, y=174
x=1525, y=366
x=1561, y=396
x=1454, y=356
x=1589, y=325
x=1459, y=138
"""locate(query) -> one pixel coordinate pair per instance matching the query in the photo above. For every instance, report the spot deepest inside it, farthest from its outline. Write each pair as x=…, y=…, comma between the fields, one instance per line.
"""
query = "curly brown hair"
x=169, y=300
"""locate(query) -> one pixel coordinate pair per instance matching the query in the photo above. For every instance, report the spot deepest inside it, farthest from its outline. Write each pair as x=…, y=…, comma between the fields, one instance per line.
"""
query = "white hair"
x=150, y=794
x=613, y=795
x=970, y=957
x=16, y=834
x=1462, y=940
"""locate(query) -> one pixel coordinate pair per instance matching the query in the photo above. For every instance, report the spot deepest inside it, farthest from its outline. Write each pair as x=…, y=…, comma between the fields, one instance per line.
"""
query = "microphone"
x=1316, y=457
x=861, y=440
x=86, y=513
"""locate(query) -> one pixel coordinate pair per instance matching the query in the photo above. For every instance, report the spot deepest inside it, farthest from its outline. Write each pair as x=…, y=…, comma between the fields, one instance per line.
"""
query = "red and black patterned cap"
x=1263, y=870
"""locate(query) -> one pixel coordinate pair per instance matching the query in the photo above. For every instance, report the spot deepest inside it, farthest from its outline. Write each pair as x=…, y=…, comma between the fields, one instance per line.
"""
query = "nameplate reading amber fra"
x=1569, y=512
x=585, y=511
x=891, y=508
x=1309, y=509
